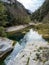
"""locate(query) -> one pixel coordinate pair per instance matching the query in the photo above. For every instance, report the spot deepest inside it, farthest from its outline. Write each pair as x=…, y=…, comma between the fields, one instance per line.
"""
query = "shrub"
x=2, y=32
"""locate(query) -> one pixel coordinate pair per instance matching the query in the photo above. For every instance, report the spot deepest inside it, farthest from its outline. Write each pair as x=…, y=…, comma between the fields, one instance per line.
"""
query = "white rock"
x=5, y=46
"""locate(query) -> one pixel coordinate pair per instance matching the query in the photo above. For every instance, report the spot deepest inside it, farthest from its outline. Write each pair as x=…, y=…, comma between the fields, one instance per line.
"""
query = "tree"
x=3, y=20
x=3, y=15
x=2, y=32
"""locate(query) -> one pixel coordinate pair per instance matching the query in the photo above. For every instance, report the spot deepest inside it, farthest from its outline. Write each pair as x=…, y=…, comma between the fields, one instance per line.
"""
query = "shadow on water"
x=17, y=35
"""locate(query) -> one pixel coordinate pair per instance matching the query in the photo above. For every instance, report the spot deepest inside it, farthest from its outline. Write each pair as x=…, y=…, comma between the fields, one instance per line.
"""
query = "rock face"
x=5, y=46
x=35, y=52
x=42, y=14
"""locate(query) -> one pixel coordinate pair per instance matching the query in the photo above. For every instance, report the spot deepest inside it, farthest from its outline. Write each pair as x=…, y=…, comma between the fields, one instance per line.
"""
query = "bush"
x=3, y=15
x=2, y=32
x=22, y=20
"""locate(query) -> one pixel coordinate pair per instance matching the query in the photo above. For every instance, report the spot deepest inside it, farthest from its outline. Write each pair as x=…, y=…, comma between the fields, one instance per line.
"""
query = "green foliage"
x=3, y=19
x=2, y=32
x=22, y=20
x=10, y=15
x=41, y=12
x=3, y=15
x=18, y=14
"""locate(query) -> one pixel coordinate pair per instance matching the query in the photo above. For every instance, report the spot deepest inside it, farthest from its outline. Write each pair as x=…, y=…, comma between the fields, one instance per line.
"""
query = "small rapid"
x=30, y=37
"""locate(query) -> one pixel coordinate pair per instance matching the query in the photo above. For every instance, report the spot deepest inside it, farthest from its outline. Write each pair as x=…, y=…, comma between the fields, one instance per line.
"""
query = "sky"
x=32, y=5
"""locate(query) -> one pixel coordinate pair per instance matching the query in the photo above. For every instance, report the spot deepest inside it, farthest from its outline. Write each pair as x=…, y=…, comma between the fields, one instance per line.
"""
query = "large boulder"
x=5, y=46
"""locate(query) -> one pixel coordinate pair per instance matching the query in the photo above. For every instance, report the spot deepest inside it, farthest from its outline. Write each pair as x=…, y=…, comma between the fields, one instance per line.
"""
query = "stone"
x=5, y=46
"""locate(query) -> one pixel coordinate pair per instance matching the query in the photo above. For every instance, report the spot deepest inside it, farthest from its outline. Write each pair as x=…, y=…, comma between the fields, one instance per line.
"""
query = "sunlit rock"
x=5, y=46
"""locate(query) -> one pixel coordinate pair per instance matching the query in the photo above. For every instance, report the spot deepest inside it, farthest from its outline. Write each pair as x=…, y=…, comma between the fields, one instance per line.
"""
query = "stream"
x=31, y=36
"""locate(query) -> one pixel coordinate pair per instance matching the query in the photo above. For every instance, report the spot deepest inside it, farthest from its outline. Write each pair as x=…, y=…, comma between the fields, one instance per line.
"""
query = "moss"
x=43, y=29
x=42, y=56
x=2, y=63
x=14, y=43
x=28, y=61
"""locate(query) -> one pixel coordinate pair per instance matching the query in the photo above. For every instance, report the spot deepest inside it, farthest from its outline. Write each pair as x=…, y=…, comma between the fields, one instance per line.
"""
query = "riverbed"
x=28, y=40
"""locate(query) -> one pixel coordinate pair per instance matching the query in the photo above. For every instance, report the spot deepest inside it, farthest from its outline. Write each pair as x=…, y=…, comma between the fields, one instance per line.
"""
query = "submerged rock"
x=35, y=52
x=5, y=46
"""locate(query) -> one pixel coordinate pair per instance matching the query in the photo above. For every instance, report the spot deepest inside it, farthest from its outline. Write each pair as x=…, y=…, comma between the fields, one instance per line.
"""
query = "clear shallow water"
x=28, y=38
x=15, y=51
